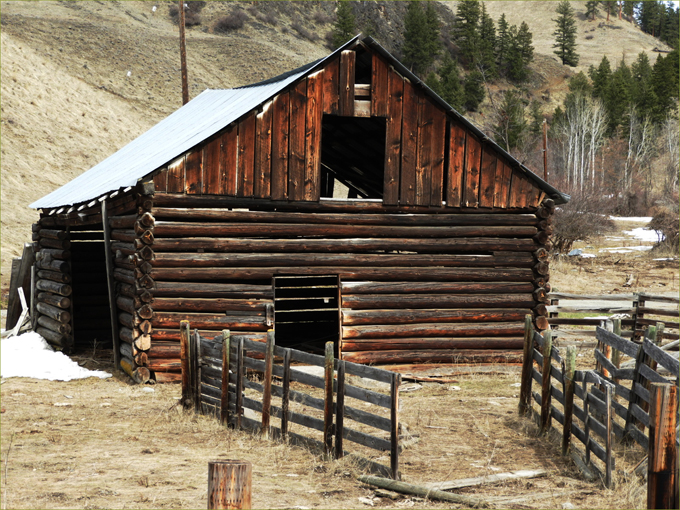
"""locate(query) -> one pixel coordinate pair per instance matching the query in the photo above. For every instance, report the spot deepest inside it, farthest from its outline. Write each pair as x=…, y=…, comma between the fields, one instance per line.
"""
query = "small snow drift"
x=29, y=355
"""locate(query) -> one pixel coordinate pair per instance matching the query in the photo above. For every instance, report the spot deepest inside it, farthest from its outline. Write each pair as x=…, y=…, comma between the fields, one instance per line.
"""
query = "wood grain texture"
x=263, y=153
x=280, y=127
x=160, y=181
x=487, y=179
x=331, y=87
x=456, y=166
x=424, y=150
x=379, y=86
x=409, y=147
x=246, y=155
x=211, y=167
x=228, y=164
x=176, y=176
x=314, y=112
x=438, y=142
x=347, y=80
x=194, y=173
x=395, y=102
x=473, y=159
x=296, y=155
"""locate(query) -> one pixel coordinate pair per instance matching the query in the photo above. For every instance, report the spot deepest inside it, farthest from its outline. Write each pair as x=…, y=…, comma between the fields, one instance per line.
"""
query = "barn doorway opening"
x=307, y=312
x=353, y=155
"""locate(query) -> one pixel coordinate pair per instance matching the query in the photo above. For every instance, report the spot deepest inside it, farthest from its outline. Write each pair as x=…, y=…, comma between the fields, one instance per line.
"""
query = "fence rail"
x=214, y=382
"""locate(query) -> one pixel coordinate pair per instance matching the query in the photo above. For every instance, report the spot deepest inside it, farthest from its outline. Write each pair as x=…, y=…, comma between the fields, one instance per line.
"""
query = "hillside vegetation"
x=81, y=79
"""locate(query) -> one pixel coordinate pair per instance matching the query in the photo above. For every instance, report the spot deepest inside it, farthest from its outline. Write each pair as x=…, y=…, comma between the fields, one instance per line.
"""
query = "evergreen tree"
x=417, y=51
x=591, y=9
x=642, y=93
x=609, y=5
x=665, y=83
x=565, y=34
x=502, y=43
x=487, y=44
x=601, y=77
x=617, y=98
x=629, y=8
x=536, y=115
x=466, y=29
x=579, y=84
x=474, y=90
x=521, y=52
x=345, y=25
x=451, y=88
x=433, y=30
x=512, y=127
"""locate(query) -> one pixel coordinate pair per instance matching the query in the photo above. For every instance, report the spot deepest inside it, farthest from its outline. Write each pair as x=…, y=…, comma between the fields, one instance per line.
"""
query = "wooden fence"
x=640, y=311
x=214, y=382
x=589, y=410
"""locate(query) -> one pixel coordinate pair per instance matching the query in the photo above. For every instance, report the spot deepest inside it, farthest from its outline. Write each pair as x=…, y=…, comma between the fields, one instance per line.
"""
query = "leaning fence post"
x=267, y=383
x=394, y=432
x=194, y=349
x=546, y=397
x=527, y=364
x=340, y=410
x=187, y=398
x=328, y=400
x=662, y=466
x=570, y=367
x=224, y=401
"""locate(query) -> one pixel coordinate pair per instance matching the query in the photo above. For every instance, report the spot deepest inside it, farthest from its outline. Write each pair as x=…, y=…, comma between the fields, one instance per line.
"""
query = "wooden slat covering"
x=246, y=155
x=331, y=86
x=409, y=147
x=487, y=178
x=211, y=167
x=263, y=153
x=456, y=167
x=194, y=173
x=393, y=138
x=176, y=176
x=279, y=162
x=424, y=150
x=296, y=133
x=228, y=156
x=160, y=181
x=347, y=80
x=472, y=169
x=379, y=86
x=438, y=142
x=502, y=188
x=314, y=113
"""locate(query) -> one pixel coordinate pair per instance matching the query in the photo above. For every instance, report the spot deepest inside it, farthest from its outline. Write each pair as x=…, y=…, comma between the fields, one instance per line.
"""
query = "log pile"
x=542, y=269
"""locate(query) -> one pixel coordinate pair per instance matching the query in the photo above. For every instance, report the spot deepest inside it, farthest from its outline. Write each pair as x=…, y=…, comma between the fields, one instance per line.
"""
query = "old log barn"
x=342, y=201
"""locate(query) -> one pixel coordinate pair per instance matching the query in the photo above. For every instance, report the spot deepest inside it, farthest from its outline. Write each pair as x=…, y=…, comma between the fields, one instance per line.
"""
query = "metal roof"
x=207, y=114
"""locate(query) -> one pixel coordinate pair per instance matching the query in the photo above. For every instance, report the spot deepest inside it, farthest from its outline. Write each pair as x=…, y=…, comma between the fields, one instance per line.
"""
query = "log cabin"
x=342, y=201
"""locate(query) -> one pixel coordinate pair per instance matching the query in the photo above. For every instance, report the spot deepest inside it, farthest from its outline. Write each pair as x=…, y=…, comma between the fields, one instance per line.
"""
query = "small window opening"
x=306, y=312
x=352, y=157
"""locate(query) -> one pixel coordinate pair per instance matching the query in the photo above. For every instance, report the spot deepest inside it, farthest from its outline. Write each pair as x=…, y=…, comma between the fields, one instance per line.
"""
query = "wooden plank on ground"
x=486, y=480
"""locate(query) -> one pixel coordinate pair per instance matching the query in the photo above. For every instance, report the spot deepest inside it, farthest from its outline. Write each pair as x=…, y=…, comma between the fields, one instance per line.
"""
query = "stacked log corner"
x=132, y=246
x=53, y=308
x=542, y=287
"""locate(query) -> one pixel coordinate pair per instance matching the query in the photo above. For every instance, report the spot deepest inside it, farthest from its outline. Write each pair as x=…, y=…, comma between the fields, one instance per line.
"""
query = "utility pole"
x=545, y=150
x=183, y=54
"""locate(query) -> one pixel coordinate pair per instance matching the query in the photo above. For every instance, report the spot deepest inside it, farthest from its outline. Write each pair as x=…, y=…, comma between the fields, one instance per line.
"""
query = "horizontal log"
x=204, y=214
x=167, y=377
x=435, y=356
x=127, y=236
x=140, y=341
x=408, y=316
x=124, y=276
x=126, y=304
x=54, y=300
x=665, y=312
x=164, y=320
x=146, y=282
x=346, y=259
x=129, y=320
x=172, y=335
x=140, y=375
x=347, y=273
x=379, y=301
x=122, y=222
x=56, y=254
x=129, y=351
x=61, y=266
x=542, y=323
x=397, y=344
x=123, y=248
x=53, y=325
x=351, y=288
x=542, y=268
x=55, y=276
x=185, y=229
x=352, y=244
x=147, y=237
x=52, y=337
x=542, y=237
x=165, y=365
x=212, y=290
x=145, y=312
x=145, y=253
x=54, y=312
x=147, y=219
x=433, y=330
x=58, y=244
x=53, y=234
x=208, y=305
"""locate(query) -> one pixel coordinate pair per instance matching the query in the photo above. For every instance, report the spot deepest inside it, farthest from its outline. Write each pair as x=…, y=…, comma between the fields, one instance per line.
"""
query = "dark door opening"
x=306, y=312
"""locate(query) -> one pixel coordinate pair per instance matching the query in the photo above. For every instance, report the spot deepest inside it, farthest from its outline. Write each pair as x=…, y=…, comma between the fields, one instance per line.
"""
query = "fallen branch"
x=423, y=492
x=484, y=480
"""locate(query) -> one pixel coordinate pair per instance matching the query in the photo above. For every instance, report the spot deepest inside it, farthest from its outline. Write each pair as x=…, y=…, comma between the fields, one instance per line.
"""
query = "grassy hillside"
x=81, y=79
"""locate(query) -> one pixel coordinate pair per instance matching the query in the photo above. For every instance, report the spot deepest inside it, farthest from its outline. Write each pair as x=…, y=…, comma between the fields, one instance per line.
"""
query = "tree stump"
x=229, y=484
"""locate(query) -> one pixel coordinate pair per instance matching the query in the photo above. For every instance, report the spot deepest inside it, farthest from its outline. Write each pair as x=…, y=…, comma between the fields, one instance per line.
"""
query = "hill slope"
x=82, y=79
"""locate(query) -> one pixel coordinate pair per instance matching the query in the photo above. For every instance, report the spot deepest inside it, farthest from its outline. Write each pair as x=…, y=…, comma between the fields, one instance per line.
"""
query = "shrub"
x=234, y=21
x=304, y=33
x=665, y=222
x=580, y=220
x=192, y=11
x=321, y=18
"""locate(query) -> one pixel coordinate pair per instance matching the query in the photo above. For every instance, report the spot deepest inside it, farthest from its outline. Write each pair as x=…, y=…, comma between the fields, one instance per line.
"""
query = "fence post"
x=285, y=398
x=394, y=432
x=194, y=350
x=662, y=466
x=224, y=401
x=570, y=367
x=267, y=383
x=230, y=484
x=239, y=382
x=639, y=380
x=340, y=410
x=616, y=354
x=586, y=420
x=187, y=397
x=546, y=397
x=527, y=364
x=328, y=400
x=608, y=439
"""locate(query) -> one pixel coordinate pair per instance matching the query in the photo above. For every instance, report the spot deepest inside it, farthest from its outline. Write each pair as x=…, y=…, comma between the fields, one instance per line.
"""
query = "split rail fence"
x=214, y=381
x=598, y=406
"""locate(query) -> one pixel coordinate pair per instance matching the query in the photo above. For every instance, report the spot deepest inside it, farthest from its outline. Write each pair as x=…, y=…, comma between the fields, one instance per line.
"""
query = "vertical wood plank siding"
x=456, y=170
x=331, y=87
x=246, y=155
x=395, y=103
x=280, y=122
x=228, y=159
x=379, y=86
x=211, y=160
x=409, y=145
x=313, y=137
x=347, y=81
x=296, y=157
x=263, y=153
x=473, y=158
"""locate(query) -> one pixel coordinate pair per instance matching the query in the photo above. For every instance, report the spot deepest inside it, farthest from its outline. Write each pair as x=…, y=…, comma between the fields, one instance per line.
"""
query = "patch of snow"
x=629, y=249
x=667, y=258
x=646, y=219
x=29, y=355
x=588, y=255
x=644, y=234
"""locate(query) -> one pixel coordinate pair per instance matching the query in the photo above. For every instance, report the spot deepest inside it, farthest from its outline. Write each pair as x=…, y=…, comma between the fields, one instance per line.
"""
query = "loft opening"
x=353, y=154
x=306, y=312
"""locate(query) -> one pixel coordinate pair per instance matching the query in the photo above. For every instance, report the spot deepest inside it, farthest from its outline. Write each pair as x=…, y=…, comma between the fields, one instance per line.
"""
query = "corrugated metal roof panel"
x=199, y=119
